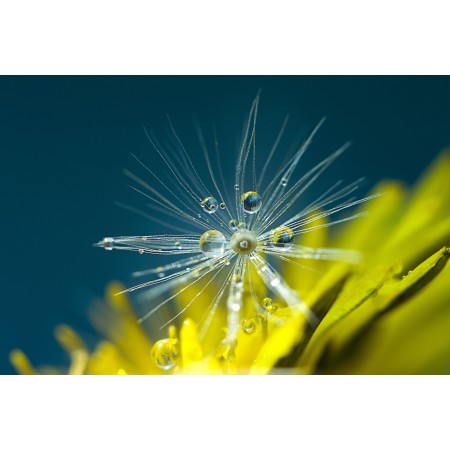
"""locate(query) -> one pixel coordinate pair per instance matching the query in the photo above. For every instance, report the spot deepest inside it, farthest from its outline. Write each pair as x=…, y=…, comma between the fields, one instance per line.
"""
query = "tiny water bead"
x=165, y=353
x=251, y=202
x=269, y=305
x=209, y=204
x=212, y=243
x=222, y=205
x=226, y=350
x=233, y=224
x=282, y=236
x=244, y=242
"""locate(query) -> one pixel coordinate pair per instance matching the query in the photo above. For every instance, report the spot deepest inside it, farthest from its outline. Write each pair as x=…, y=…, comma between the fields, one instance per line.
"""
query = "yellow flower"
x=388, y=314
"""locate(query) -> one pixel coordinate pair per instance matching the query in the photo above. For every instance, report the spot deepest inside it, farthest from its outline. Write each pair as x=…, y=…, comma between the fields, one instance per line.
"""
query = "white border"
x=232, y=37
x=221, y=412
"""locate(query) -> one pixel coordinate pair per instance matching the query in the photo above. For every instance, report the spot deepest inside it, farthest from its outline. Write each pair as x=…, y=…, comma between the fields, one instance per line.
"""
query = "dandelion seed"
x=230, y=241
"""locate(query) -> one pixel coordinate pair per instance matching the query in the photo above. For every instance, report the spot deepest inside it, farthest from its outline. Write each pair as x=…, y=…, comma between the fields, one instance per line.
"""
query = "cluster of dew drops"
x=213, y=244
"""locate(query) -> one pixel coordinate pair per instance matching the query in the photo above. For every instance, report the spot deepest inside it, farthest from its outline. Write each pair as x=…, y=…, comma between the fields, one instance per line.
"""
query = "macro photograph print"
x=225, y=225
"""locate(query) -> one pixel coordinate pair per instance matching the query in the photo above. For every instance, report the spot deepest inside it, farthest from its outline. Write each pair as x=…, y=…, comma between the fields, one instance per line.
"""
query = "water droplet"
x=233, y=224
x=282, y=236
x=212, y=243
x=165, y=353
x=209, y=204
x=227, y=262
x=236, y=187
x=284, y=182
x=108, y=243
x=178, y=245
x=141, y=251
x=199, y=216
x=226, y=351
x=250, y=325
x=161, y=274
x=251, y=202
x=269, y=306
x=222, y=205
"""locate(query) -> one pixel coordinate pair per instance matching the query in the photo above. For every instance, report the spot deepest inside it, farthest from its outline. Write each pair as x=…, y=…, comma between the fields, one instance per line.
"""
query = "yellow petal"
x=191, y=349
x=68, y=339
x=345, y=340
x=120, y=325
x=430, y=199
x=21, y=363
x=279, y=344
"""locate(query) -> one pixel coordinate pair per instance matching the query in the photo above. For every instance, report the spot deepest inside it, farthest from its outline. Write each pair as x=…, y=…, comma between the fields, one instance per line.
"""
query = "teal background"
x=65, y=140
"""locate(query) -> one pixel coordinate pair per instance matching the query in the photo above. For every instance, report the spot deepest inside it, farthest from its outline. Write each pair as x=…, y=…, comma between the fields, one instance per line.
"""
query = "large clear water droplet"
x=251, y=202
x=282, y=236
x=210, y=205
x=108, y=243
x=165, y=353
x=212, y=243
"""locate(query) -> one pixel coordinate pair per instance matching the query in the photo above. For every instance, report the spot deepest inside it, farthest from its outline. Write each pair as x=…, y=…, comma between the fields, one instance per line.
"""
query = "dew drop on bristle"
x=226, y=350
x=212, y=243
x=210, y=205
x=222, y=205
x=108, y=243
x=141, y=251
x=251, y=202
x=250, y=325
x=236, y=187
x=282, y=236
x=233, y=224
x=165, y=353
x=284, y=182
x=269, y=305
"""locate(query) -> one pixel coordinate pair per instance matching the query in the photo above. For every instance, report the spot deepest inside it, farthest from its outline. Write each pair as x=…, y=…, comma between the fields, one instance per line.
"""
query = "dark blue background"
x=65, y=140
